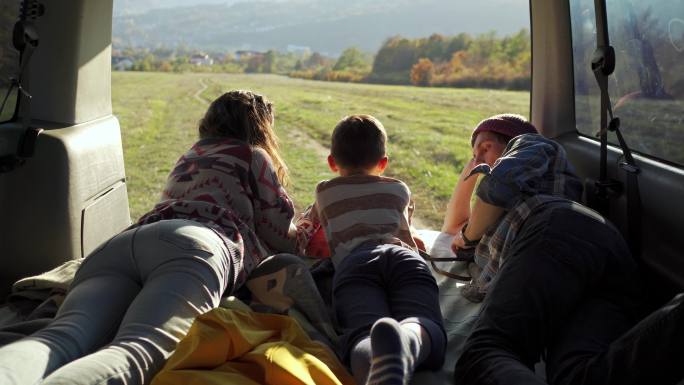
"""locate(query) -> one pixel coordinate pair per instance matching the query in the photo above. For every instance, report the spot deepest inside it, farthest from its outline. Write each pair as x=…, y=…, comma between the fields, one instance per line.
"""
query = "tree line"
x=463, y=60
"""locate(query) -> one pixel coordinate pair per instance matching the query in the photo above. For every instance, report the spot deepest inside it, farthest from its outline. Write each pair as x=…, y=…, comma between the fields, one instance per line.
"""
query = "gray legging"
x=130, y=303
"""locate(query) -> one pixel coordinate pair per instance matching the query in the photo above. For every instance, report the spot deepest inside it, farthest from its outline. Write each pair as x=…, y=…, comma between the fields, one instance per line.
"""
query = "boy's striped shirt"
x=360, y=209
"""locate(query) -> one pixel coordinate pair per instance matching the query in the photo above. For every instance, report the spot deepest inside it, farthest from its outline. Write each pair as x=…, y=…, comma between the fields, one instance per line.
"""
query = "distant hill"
x=326, y=26
x=130, y=7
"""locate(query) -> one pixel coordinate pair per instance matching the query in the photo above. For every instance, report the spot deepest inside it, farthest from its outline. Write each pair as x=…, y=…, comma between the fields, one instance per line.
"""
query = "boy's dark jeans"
x=570, y=288
x=387, y=281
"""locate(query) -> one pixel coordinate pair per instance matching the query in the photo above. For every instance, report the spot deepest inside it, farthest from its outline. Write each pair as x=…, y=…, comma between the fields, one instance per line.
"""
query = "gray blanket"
x=282, y=285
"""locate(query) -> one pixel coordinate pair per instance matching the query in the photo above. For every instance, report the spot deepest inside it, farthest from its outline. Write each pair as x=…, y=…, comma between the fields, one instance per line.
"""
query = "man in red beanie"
x=489, y=140
x=557, y=279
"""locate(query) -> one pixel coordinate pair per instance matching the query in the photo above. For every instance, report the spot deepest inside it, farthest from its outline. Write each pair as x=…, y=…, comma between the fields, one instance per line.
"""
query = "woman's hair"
x=246, y=116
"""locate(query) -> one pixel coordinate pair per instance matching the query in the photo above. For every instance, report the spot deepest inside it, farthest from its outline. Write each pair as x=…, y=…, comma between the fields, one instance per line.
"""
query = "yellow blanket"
x=230, y=346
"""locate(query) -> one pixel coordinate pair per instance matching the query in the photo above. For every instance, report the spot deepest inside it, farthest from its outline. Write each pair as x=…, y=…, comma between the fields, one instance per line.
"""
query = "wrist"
x=466, y=240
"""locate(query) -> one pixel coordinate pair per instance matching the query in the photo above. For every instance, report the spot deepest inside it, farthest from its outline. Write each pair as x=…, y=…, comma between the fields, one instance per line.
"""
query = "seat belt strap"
x=437, y=269
x=603, y=65
x=25, y=39
x=633, y=193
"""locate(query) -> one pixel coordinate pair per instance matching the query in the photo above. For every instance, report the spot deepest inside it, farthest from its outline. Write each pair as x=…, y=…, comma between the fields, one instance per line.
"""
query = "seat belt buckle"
x=603, y=60
x=608, y=188
x=630, y=168
x=614, y=124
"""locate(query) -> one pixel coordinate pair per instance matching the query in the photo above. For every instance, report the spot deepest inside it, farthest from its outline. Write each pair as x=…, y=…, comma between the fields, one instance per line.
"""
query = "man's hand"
x=458, y=243
x=458, y=208
x=469, y=166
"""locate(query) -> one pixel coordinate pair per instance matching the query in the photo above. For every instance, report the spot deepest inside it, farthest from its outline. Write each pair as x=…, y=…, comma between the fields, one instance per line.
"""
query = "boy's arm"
x=414, y=234
x=307, y=224
x=458, y=208
x=410, y=209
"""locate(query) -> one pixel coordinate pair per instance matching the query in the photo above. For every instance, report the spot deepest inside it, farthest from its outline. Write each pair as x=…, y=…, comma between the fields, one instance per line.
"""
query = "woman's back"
x=212, y=177
x=231, y=187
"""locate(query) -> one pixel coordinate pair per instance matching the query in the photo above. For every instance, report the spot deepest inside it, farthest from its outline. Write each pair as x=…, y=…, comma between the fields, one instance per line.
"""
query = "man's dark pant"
x=387, y=281
x=570, y=288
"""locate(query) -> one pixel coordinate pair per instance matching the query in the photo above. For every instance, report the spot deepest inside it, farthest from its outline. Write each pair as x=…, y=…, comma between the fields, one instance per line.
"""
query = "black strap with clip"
x=443, y=272
x=25, y=39
x=603, y=65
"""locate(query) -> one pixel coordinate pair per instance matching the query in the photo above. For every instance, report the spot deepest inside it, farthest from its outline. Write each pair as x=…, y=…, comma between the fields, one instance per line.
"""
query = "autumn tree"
x=423, y=72
x=434, y=48
x=396, y=54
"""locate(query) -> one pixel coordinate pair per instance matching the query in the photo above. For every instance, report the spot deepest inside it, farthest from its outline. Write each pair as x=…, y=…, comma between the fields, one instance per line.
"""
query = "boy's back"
x=398, y=325
x=362, y=209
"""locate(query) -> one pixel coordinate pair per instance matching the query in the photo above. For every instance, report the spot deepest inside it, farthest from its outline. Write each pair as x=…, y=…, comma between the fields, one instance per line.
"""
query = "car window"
x=647, y=87
x=9, y=58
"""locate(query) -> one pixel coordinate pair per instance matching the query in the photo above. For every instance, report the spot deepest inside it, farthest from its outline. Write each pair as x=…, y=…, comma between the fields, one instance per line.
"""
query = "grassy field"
x=10, y=104
x=653, y=127
x=428, y=128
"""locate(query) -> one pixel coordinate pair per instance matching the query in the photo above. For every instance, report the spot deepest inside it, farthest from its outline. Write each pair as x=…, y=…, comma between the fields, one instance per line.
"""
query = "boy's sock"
x=396, y=351
x=360, y=359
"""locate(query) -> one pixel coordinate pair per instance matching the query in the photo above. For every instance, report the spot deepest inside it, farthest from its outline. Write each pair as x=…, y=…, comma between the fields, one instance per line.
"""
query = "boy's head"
x=358, y=146
x=491, y=136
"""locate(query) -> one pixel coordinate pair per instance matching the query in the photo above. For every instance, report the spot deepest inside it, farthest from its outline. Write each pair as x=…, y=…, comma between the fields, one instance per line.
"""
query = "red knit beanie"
x=510, y=125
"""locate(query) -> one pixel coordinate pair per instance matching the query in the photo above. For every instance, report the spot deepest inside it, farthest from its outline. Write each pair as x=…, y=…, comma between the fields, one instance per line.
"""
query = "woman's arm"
x=458, y=208
x=273, y=209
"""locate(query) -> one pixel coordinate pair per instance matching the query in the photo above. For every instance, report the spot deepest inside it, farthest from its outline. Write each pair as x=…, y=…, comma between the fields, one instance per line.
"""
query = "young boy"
x=384, y=295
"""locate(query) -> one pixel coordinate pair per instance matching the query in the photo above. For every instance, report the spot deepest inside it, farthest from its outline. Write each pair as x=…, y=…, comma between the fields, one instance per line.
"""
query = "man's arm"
x=483, y=216
x=458, y=208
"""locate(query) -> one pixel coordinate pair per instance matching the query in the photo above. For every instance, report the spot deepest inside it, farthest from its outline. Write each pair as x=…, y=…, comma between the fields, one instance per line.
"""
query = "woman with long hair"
x=223, y=211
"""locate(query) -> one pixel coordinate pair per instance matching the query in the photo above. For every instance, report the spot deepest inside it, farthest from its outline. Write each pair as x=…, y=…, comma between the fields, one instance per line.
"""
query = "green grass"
x=428, y=128
x=651, y=127
x=8, y=112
